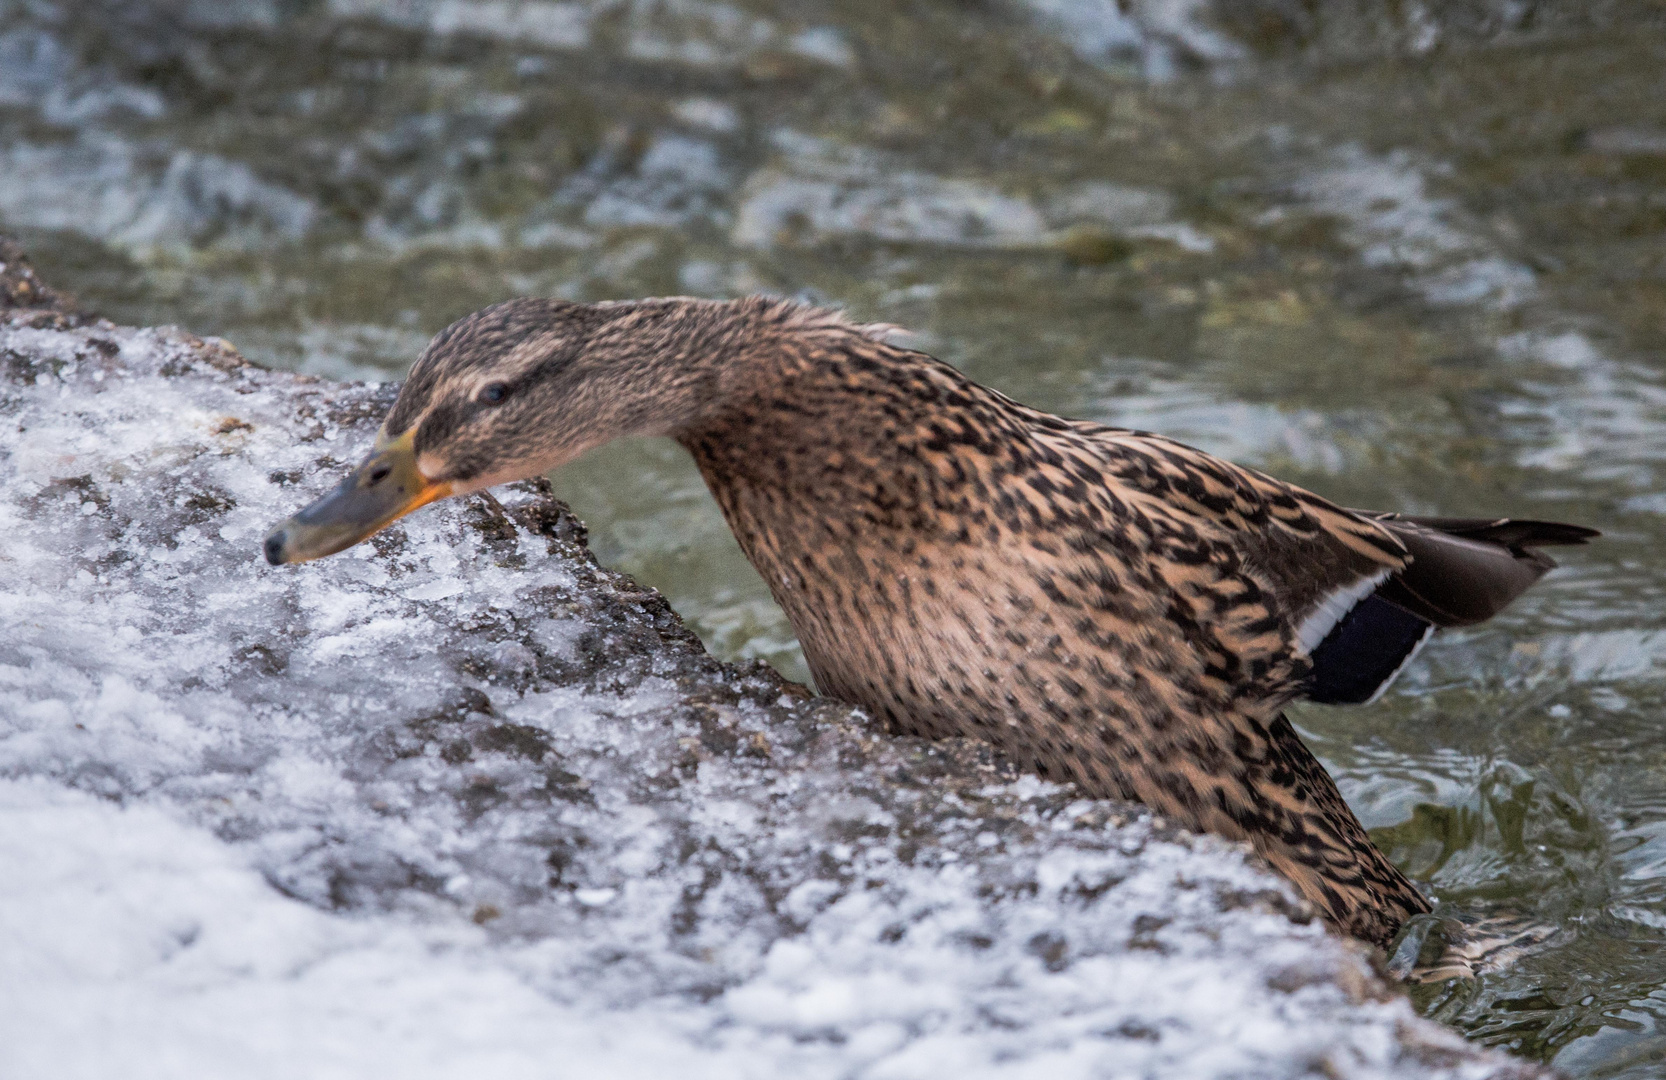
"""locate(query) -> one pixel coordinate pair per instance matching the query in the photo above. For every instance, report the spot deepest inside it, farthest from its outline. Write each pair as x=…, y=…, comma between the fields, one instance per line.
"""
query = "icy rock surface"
x=460, y=802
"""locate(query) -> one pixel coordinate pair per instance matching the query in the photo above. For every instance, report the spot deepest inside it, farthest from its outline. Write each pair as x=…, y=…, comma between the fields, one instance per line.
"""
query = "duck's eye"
x=494, y=393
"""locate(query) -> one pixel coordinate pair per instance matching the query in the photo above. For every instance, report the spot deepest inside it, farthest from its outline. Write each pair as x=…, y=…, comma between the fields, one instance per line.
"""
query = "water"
x=1407, y=255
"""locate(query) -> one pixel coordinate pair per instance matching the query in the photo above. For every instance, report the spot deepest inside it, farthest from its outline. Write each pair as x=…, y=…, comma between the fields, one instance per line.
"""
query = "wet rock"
x=461, y=799
x=22, y=288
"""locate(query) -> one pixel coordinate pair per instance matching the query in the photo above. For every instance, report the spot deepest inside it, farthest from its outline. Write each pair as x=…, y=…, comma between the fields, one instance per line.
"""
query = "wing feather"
x=1316, y=558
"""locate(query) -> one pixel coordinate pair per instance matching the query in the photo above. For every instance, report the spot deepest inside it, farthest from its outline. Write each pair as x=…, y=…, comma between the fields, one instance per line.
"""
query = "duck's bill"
x=379, y=492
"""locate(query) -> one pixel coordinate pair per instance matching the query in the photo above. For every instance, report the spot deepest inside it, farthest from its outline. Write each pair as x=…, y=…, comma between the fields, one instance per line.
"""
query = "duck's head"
x=511, y=392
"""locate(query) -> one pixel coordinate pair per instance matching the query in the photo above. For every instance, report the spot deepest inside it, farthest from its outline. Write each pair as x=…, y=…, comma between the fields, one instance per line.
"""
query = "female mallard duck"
x=1108, y=606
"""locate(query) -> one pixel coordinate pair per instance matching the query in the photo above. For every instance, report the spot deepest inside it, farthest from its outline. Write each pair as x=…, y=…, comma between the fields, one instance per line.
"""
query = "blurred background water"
x=1408, y=254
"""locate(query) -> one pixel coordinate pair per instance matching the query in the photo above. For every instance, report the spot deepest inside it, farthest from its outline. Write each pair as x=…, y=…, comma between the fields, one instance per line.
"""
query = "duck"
x=1106, y=606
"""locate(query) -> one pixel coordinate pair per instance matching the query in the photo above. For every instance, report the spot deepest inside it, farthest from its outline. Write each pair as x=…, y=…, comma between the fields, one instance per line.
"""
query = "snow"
x=460, y=802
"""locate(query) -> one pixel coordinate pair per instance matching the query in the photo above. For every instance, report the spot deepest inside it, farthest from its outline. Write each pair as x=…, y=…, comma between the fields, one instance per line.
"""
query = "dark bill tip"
x=379, y=492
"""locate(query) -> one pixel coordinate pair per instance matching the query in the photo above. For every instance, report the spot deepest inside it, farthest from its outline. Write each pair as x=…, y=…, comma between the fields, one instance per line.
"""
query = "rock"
x=22, y=288
x=462, y=802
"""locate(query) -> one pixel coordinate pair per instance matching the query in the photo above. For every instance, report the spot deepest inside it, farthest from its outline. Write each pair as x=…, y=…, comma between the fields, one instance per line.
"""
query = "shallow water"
x=1410, y=259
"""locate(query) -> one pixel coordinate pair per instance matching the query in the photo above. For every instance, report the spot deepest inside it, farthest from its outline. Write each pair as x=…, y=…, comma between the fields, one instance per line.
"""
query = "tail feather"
x=1462, y=571
x=1466, y=570
x=1511, y=532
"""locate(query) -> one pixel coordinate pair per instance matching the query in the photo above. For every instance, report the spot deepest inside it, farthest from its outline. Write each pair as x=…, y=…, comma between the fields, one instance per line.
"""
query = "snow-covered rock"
x=459, y=802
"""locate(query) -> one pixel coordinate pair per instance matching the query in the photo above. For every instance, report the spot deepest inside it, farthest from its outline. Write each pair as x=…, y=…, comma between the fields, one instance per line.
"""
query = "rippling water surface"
x=1408, y=255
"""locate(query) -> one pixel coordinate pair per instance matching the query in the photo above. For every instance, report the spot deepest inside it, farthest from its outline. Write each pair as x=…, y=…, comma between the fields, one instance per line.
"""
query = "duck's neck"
x=821, y=421
x=701, y=365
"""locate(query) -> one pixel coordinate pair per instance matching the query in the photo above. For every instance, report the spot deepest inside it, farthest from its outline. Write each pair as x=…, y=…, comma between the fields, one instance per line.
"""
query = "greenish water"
x=1412, y=260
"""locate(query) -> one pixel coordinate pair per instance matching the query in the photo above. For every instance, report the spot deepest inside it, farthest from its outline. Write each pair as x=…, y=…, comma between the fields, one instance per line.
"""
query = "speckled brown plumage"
x=1108, y=607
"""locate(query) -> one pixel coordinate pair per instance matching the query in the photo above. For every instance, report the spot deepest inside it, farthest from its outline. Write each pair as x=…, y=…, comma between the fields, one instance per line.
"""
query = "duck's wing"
x=1359, y=592
x=1460, y=571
